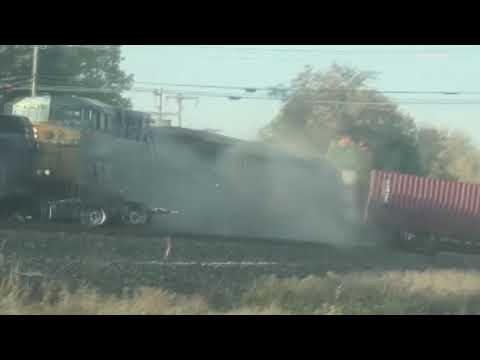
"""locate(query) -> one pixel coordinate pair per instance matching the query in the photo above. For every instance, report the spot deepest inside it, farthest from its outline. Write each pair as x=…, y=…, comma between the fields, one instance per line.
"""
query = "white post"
x=34, y=70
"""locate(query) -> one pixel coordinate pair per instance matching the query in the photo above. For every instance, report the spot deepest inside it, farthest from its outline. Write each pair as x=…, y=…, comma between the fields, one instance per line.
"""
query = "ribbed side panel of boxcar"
x=424, y=205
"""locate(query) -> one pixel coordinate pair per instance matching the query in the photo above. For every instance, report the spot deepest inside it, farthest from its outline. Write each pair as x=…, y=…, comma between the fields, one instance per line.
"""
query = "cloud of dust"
x=242, y=189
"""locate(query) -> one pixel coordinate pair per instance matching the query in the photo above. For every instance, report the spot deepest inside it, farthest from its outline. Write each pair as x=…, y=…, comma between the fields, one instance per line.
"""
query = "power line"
x=351, y=51
x=394, y=102
x=66, y=89
x=226, y=87
x=326, y=49
x=253, y=89
x=273, y=88
x=46, y=47
x=328, y=101
x=236, y=97
x=224, y=94
x=246, y=88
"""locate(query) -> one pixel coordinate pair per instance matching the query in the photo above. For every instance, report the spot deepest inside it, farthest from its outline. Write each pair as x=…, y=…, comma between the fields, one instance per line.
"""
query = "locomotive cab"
x=63, y=167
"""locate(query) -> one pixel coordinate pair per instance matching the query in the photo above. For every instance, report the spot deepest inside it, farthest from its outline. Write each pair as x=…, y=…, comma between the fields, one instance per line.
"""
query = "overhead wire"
x=250, y=88
x=237, y=97
x=391, y=51
x=233, y=96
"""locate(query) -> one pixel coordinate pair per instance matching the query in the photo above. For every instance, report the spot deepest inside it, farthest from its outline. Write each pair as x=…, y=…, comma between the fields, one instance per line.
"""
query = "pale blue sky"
x=413, y=68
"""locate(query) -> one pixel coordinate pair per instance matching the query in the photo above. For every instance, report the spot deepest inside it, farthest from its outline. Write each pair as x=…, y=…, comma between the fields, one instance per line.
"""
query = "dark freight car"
x=221, y=186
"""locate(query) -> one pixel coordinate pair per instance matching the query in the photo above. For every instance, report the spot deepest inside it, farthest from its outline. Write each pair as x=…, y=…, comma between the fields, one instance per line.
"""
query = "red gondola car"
x=425, y=212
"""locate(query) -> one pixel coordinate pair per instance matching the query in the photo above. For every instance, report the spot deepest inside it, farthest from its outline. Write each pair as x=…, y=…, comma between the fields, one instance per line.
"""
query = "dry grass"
x=16, y=299
x=429, y=292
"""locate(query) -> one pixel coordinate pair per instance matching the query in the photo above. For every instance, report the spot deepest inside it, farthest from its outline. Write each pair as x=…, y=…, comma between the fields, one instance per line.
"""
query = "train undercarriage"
x=76, y=210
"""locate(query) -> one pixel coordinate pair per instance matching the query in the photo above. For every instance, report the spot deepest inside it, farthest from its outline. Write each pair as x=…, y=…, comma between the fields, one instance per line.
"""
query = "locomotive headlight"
x=44, y=172
x=35, y=133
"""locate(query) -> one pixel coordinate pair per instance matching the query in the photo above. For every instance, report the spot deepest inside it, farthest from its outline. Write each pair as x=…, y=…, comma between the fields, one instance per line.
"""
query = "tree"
x=75, y=67
x=462, y=158
x=448, y=155
x=432, y=150
x=325, y=106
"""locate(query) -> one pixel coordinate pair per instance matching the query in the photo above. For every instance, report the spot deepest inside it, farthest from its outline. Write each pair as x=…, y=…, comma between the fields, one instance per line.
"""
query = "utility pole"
x=159, y=103
x=180, y=109
x=180, y=99
x=34, y=70
x=159, y=99
x=160, y=115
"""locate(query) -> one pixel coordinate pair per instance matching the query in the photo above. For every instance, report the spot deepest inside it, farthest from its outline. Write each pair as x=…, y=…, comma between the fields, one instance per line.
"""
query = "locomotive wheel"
x=135, y=216
x=93, y=217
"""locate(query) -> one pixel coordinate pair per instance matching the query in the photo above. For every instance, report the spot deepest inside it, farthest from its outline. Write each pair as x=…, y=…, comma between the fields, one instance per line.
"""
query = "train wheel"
x=93, y=217
x=135, y=216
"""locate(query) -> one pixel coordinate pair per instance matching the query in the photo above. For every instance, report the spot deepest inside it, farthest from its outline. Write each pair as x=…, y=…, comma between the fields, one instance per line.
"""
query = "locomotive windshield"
x=36, y=109
x=68, y=111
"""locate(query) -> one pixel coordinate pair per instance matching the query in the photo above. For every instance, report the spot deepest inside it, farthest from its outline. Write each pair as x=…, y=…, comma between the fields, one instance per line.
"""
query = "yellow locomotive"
x=60, y=122
x=64, y=168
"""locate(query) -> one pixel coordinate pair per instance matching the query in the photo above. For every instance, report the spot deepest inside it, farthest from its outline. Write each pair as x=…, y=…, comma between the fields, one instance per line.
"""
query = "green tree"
x=462, y=158
x=323, y=106
x=75, y=67
x=448, y=155
x=432, y=150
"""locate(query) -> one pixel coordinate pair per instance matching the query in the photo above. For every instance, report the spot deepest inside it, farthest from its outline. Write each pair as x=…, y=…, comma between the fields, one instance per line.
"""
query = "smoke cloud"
x=224, y=187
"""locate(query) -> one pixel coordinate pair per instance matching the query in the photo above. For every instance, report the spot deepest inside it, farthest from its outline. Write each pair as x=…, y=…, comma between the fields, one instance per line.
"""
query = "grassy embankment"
x=428, y=292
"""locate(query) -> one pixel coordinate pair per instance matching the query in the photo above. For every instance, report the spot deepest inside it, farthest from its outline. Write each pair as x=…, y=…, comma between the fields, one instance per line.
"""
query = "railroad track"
x=152, y=232
x=149, y=246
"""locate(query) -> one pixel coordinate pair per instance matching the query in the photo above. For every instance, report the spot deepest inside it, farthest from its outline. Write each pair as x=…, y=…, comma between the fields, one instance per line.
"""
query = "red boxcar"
x=448, y=210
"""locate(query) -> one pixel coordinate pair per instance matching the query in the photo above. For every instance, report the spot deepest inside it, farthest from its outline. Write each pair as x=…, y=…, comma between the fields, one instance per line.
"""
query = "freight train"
x=85, y=161
x=222, y=186
x=96, y=163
